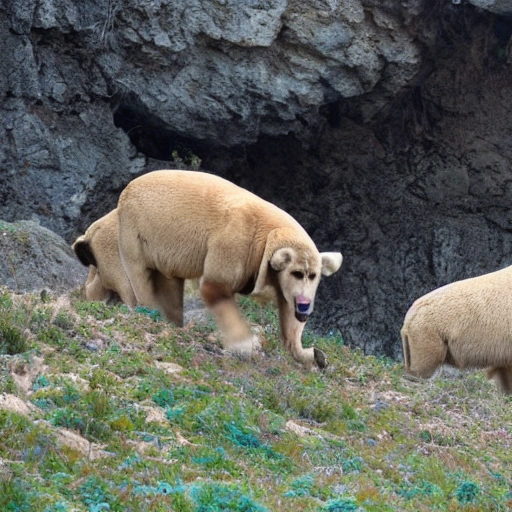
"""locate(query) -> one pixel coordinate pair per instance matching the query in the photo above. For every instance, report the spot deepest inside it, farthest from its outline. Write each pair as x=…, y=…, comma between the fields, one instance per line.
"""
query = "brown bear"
x=177, y=225
x=98, y=249
x=466, y=324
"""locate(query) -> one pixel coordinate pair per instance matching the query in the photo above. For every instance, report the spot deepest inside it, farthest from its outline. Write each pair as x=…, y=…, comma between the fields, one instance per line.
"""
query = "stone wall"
x=383, y=126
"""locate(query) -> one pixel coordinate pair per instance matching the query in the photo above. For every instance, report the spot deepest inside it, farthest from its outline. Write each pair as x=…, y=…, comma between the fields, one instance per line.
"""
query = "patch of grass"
x=342, y=505
x=12, y=339
x=215, y=497
x=14, y=495
x=225, y=434
x=152, y=313
x=97, y=310
x=95, y=494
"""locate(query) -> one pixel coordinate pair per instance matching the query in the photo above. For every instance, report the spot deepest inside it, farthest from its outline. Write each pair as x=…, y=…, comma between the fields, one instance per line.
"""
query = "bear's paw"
x=320, y=358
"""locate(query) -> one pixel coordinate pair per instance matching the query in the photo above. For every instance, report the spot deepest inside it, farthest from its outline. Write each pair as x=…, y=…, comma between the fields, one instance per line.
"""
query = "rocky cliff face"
x=384, y=127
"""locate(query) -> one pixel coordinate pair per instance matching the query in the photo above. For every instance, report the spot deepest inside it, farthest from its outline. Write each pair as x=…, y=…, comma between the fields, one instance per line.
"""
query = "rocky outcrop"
x=35, y=258
x=382, y=126
x=176, y=76
x=501, y=7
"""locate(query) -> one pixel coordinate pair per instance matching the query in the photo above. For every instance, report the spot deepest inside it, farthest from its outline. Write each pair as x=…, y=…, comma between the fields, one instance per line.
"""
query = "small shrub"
x=164, y=398
x=39, y=318
x=70, y=394
x=43, y=403
x=242, y=438
x=40, y=382
x=12, y=339
x=215, y=460
x=100, y=404
x=354, y=464
x=101, y=379
x=68, y=418
x=154, y=314
x=96, y=495
x=122, y=424
x=7, y=384
x=213, y=497
x=174, y=413
x=181, y=503
x=301, y=486
x=342, y=505
x=162, y=488
x=13, y=495
x=63, y=320
x=5, y=299
x=287, y=397
x=467, y=492
x=422, y=488
x=97, y=309
x=52, y=335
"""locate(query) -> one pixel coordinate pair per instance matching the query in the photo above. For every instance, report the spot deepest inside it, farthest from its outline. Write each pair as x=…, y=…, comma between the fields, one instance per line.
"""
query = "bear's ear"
x=84, y=252
x=331, y=262
x=281, y=258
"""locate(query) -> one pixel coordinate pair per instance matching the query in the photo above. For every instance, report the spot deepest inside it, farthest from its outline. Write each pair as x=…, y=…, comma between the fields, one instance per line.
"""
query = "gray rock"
x=501, y=7
x=213, y=74
x=383, y=126
x=34, y=259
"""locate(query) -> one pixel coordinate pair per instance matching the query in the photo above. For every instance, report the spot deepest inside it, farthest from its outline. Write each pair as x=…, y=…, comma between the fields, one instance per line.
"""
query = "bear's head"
x=83, y=250
x=298, y=274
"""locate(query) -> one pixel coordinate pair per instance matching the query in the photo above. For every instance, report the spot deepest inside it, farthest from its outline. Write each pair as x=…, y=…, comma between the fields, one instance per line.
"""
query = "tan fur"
x=467, y=324
x=177, y=225
x=99, y=249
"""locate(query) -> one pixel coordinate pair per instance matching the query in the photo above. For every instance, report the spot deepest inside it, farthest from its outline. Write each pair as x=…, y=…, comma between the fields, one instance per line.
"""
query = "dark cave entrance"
x=150, y=135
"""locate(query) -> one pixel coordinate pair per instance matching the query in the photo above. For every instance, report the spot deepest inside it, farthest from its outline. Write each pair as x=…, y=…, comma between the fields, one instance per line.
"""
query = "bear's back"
x=186, y=196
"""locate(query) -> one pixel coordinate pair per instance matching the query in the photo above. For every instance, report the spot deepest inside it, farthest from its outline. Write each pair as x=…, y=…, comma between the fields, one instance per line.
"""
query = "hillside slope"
x=106, y=409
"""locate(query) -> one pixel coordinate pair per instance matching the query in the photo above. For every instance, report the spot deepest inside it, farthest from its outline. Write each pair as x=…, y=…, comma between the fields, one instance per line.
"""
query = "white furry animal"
x=177, y=225
x=466, y=324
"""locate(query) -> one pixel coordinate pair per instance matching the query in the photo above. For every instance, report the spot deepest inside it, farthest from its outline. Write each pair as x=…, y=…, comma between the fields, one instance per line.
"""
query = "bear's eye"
x=312, y=276
x=298, y=275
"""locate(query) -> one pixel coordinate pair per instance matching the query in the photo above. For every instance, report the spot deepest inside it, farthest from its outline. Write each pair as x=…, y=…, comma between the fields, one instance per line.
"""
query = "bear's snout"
x=302, y=308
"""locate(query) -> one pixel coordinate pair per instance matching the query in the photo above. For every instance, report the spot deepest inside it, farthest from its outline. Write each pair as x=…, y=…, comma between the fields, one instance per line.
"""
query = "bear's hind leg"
x=503, y=377
x=237, y=337
x=168, y=293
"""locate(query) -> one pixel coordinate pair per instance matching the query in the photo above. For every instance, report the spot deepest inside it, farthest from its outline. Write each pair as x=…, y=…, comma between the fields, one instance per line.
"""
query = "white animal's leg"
x=427, y=351
x=291, y=335
x=94, y=289
x=503, y=377
x=168, y=293
x=237, y=337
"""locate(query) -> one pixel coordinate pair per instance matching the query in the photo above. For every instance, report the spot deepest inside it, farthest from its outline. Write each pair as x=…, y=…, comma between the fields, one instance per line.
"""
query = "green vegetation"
x=161, y=419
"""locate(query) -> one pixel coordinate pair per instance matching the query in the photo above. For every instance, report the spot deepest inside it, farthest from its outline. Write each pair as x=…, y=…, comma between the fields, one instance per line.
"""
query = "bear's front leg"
x=291, y=334
x=236, y=335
